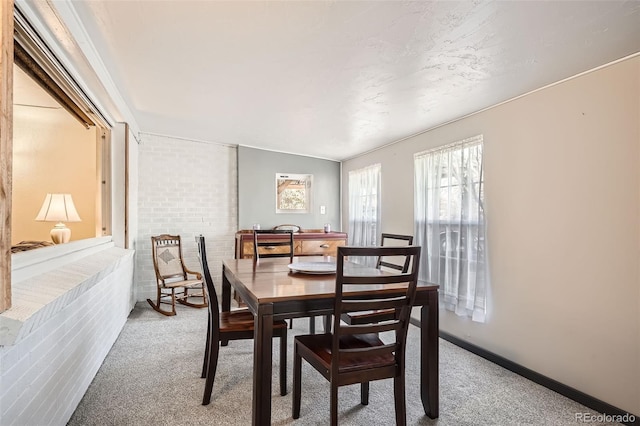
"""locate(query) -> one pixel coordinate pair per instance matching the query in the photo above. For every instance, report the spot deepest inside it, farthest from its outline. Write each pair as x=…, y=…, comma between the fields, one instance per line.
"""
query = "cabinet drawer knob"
x=324, y=245
x=269, y=247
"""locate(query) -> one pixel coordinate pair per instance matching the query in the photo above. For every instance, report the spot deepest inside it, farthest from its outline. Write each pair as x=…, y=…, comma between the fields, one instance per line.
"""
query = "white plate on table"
x=313, y=267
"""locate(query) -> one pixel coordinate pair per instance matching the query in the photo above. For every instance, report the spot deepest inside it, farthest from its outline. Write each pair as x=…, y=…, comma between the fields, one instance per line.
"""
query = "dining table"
x=274, y=290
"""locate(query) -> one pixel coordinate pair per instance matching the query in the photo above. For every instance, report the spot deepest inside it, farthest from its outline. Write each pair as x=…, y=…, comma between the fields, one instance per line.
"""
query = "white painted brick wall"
x=44, y=376
x=186, y=188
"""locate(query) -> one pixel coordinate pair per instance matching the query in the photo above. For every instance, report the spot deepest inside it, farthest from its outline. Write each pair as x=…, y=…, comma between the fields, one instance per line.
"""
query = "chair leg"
x=399, y=398
x=297, y=383
x=211, y=372
x=327, y=323
x=283, y=362
x=312, y=325
x=206, y=350
x=364, y=393
x=334, y=404
x=173, y=301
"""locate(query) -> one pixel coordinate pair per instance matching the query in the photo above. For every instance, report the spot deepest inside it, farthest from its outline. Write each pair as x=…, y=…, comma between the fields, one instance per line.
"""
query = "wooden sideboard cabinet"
x=304, y=243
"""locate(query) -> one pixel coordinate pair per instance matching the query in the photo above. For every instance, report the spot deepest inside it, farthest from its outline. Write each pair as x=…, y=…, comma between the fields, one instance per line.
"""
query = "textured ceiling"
x=336, y=79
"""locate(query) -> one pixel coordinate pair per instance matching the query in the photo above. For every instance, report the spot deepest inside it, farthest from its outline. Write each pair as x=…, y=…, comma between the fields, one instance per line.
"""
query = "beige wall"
x=52, y=152
x=562, y=194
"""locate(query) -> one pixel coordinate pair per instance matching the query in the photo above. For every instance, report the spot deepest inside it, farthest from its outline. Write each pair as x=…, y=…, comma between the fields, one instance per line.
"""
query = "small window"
x=450, y=224
x=60, y=146
x=364, y=205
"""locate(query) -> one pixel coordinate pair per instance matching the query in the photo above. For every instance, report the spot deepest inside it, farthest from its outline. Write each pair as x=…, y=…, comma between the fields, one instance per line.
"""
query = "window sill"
x=48, y=279
x=27, y=264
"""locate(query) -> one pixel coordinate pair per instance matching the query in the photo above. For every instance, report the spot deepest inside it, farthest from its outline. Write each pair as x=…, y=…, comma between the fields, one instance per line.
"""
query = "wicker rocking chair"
x=172, y=277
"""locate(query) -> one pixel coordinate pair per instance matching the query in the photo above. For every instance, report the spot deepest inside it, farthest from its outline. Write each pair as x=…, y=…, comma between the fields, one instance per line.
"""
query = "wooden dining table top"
x=271, y=280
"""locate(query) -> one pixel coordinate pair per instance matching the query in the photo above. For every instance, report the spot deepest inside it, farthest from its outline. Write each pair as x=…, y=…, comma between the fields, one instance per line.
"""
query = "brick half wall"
x=44, y=375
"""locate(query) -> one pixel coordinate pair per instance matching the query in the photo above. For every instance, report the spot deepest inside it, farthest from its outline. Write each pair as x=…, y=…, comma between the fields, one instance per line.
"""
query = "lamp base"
x=60, y=234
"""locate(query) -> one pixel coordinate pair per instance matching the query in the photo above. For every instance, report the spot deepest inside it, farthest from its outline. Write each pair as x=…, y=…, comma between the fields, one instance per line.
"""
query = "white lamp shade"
x=58, y=208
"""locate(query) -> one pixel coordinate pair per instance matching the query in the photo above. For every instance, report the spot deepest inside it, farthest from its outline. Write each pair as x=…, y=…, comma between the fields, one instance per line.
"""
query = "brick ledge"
x=38, y=298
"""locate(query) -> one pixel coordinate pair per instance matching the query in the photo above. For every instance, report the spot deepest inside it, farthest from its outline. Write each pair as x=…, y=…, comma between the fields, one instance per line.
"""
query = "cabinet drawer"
x=247, y=249
x=321, y=247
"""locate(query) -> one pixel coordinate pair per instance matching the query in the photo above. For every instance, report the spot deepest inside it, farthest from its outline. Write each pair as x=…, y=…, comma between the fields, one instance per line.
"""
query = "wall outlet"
x=323, y=210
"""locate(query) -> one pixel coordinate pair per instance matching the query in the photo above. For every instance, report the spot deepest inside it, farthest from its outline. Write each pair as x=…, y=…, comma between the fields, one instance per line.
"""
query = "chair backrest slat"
x=397, y=299
x=388, y=279
x=367, y=305
x=377, y=327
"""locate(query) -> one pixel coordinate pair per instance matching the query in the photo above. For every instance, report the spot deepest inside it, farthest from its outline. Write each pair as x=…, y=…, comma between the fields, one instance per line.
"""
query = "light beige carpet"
x=152, y=377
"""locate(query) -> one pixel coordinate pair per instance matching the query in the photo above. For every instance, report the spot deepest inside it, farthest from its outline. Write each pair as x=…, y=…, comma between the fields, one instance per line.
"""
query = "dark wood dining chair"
x=174, y=281
x=401, y=264
x=233, y=325
x=266, y=246
x=355, y=353
x=384, y=262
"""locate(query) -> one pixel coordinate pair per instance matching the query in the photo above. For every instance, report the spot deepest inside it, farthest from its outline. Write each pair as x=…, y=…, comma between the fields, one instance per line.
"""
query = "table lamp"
x=59, y=208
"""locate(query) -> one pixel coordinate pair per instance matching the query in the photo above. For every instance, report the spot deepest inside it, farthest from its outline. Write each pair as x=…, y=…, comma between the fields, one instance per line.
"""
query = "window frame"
x=6, y=138
x=21, y=44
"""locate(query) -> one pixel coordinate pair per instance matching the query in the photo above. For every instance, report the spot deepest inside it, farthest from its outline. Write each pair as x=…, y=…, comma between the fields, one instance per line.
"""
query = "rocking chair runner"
x=172, y=277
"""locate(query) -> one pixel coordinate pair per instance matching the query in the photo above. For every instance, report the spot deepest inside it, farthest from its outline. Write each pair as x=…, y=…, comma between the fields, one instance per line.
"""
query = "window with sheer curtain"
x=450, y=225
x=364, y=207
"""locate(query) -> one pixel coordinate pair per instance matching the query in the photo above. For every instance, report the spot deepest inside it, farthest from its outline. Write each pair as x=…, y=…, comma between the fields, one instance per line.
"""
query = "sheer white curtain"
x=364, y=208
x=450, y=225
